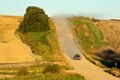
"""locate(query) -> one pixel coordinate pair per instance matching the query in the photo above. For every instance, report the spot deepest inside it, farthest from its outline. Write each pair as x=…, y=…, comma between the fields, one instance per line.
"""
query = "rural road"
x=69, y=47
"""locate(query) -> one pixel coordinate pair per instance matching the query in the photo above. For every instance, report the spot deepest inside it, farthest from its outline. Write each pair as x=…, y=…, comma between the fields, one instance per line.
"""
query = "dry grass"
x=12, y=50
x=111, y=31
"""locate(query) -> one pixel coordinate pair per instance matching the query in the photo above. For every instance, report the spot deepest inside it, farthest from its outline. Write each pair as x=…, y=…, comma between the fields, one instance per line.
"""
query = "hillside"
x=99, y=40
x=12, y=50
x=111, y=31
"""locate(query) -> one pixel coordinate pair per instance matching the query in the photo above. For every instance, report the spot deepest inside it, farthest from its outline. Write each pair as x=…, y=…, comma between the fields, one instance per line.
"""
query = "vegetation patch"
x=22, y=72
x=37, y=43
x=88, y=35
x=52, y=68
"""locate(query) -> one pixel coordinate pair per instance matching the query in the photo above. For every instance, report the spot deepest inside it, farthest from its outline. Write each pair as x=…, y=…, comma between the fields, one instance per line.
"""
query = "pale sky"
x=104, y=9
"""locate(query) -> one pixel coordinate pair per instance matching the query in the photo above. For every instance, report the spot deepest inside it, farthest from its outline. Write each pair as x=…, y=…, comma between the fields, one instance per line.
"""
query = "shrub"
x=22, y=72
x=35, y=20
x=52, y=68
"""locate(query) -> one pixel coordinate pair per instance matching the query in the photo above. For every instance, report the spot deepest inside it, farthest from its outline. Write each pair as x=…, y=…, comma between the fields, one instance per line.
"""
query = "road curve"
x=69, y=47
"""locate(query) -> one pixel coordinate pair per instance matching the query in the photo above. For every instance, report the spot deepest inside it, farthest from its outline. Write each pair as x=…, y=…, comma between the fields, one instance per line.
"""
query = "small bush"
x=22, y=72
x=52, y=68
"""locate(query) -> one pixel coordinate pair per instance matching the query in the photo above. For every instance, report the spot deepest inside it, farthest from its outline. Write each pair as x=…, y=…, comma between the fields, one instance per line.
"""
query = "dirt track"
x=83, y=67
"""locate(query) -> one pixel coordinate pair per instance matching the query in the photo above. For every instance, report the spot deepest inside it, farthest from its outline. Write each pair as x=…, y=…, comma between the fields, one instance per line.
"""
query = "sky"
x=104, y=9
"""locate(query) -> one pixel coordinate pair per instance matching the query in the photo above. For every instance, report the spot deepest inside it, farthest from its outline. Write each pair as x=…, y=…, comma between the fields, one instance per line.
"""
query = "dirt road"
x=68, y=46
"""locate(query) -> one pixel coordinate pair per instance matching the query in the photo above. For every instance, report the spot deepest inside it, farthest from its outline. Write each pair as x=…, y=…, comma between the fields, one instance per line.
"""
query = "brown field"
x=12, y=50
x=111, y=31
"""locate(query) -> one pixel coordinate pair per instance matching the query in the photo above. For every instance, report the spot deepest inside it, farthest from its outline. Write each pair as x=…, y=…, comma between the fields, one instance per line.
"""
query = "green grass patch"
x=38, y=43
x=98, y=38
x=89, y=36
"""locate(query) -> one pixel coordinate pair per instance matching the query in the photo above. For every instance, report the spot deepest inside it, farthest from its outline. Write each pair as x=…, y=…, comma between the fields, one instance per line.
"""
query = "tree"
x=35, y=20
